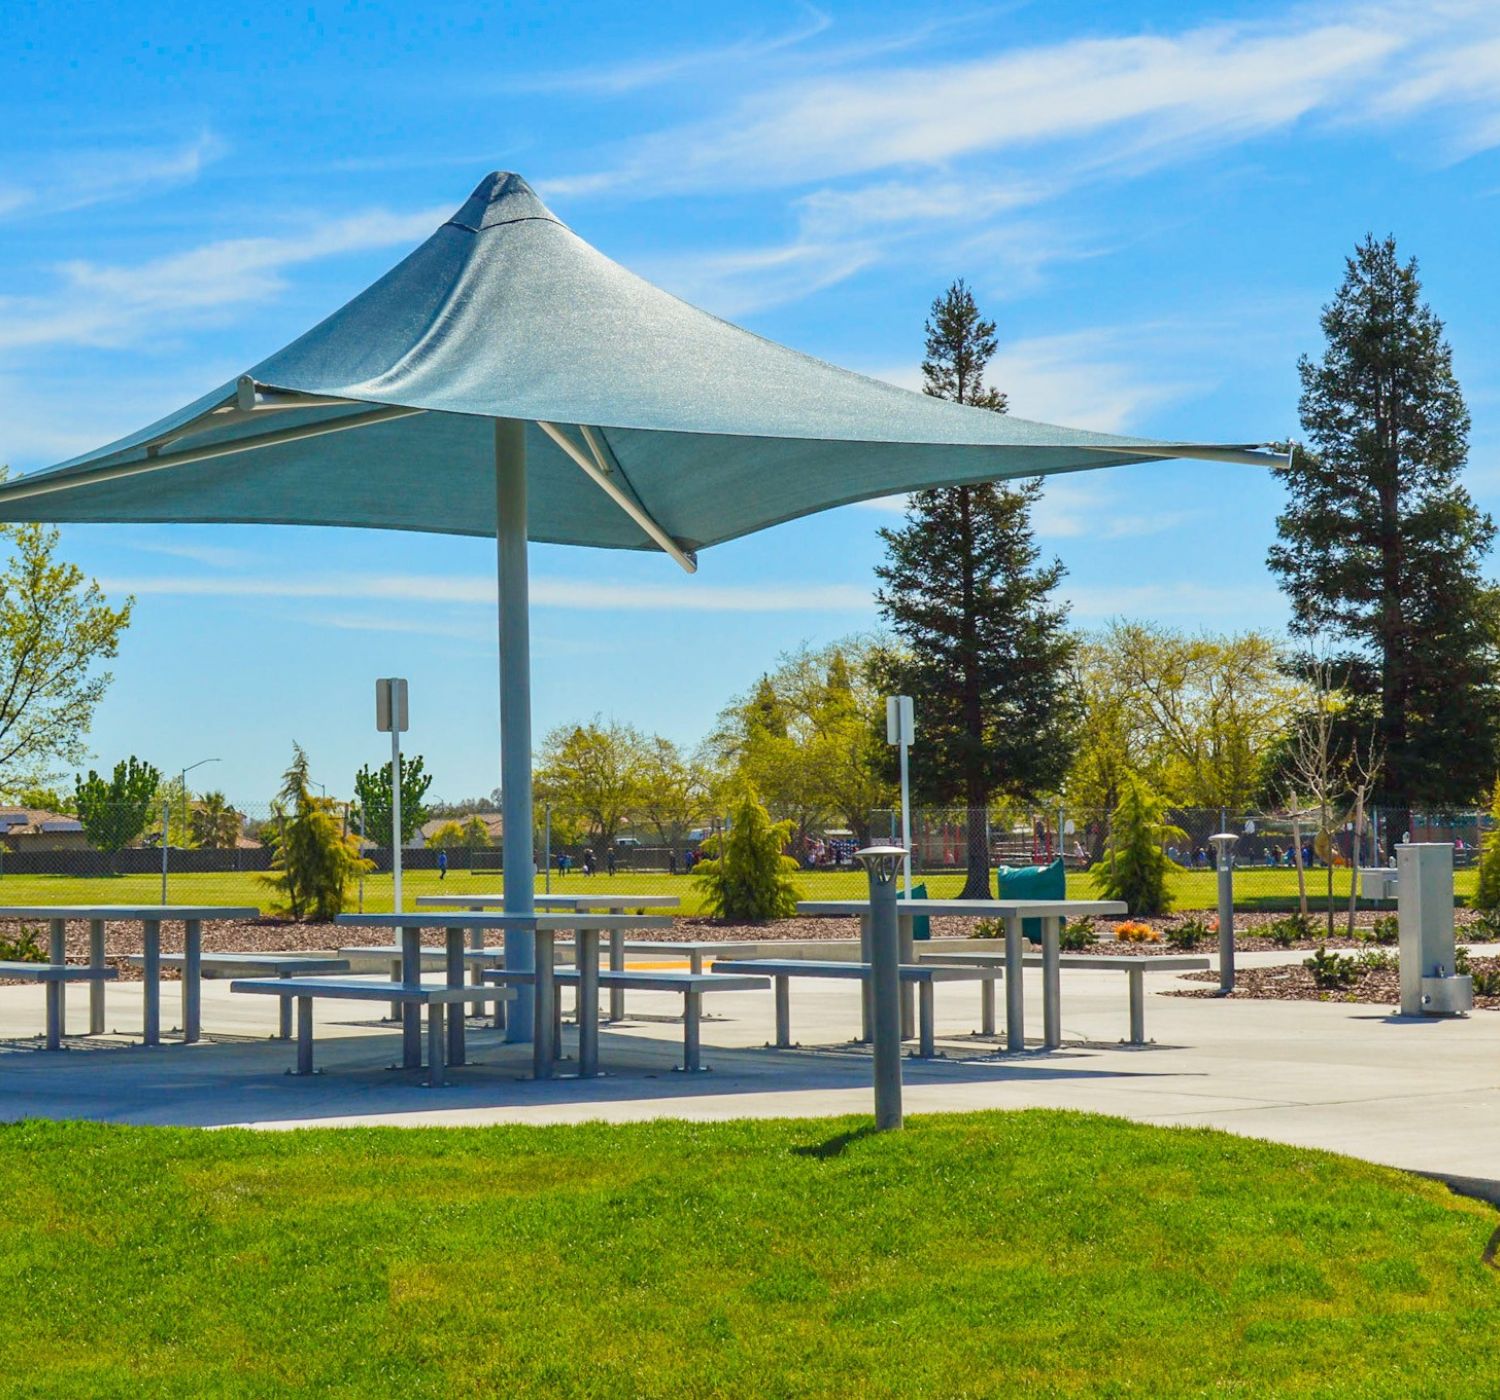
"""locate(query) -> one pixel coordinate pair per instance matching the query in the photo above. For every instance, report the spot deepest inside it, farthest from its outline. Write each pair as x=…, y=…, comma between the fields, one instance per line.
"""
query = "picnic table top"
x=252, y=962
x=361, y=989
x=687, y=947
x=973, y=908
x=57, y=972
x=583, y=903
x=146, y=913
x=820, y=967
x=1104, y=962
x=644, y=981
x=459, y=919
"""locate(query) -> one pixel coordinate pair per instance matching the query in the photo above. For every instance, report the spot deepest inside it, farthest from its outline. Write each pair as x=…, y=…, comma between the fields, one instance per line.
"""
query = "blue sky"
x=1152, y=200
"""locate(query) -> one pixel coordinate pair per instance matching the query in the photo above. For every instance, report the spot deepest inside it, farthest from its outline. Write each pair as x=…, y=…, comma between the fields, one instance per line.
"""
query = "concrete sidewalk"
x=1421, y=1094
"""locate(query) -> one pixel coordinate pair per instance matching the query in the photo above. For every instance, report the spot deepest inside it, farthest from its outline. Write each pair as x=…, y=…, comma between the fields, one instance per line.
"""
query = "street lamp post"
x=881, y=864
x=166, y=814
x=1224, y=842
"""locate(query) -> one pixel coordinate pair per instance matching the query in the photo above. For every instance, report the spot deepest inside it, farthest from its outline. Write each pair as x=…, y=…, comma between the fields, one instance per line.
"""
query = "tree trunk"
x=1359, y=841
x=1324, y=826
x=976, y=790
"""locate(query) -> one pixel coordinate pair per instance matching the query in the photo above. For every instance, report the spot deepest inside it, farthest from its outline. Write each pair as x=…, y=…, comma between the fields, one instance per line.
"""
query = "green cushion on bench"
x=1032, y=882
x=921, y=928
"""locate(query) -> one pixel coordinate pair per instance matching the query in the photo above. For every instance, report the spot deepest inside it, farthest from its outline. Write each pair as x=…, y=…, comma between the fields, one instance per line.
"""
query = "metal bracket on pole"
x=598, y=470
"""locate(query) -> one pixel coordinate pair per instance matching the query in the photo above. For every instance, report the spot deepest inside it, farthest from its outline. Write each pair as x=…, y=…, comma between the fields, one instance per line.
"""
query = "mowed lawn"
x=1255, y=887
x=1017, y=1254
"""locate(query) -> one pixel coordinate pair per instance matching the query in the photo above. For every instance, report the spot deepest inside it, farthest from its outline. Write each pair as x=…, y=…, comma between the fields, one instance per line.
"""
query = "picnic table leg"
x=867, y=988
x=1015, y=1005
x=411, y=1013
x=57, y=953
x=1137, y=977
x=435, y=1043
x=926, y=1047
x=544, y=992
x=692, y=1016
x=151, y=975
x=987, y=1006
x=617, y=964
x=396, y=978
x=906, y=951
x=96, y=989
x=284, y=1027
x=587, y=946
x=455, y=1015
x=192, y=981
x=1051, y=983
x=783, y=1013
x=304, y=1035
x=54, y=1015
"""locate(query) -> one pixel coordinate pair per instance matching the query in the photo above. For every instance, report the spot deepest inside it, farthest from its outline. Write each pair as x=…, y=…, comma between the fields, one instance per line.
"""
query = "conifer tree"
x=748, y=875
x=1135, y=865
x=1381, y=544
x=985, y=650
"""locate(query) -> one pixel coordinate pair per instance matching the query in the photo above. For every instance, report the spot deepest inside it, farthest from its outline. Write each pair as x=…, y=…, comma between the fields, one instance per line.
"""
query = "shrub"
x=1484, y=929
x=1378, y=960
x=1385, y=931
x=1287, y=932
x=1077, y=935
x=314, y=858
x=1331, y=972
x=1190, y=933
x=1134, y=865
x=1132, y=932
x=1461, y=964
x=1486, y=981
x=989, y=928
x=1487, y=896
x=747, y=876
x=24, y=947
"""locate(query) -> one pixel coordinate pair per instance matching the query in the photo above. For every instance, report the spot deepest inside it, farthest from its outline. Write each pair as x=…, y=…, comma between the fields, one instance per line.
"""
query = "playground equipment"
x=1423, y=887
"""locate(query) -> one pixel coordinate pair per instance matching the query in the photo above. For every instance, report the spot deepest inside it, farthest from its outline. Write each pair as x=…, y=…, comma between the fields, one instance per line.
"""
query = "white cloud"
x=430, y=589
x=1172, y=599
x=78, y=179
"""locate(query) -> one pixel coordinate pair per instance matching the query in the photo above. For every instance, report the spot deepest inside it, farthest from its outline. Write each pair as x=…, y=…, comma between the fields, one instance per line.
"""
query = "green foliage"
x=1189, y=934
x=1288, y=932
x=477, y=835
x=1487, y=896
x=1378, y=960
x=54, y=629
x=1077, y=936
x=448, y=837
x=1461, y=964
x=315, y=859
x=595, y=773
x=1381, y=546
x=1331, y=971
x=114, y=811
x=1384, y=932
x=1134, y=866
x=44, y=799
x=1486, y=981
x=26, y=946
x=1484, y=929
x=985, y=649
x=213, y=824
x=746, y=875
x=373, y=789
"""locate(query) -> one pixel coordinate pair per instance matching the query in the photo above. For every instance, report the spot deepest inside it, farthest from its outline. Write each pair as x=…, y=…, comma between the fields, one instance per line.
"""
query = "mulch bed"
x=1293, y=982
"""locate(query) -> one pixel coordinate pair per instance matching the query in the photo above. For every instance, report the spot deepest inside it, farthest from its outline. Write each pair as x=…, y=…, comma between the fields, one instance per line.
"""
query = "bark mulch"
x=1294, y=982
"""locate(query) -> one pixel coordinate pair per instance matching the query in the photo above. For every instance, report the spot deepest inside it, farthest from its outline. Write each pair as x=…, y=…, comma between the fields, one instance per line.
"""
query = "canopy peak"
x=502, y=197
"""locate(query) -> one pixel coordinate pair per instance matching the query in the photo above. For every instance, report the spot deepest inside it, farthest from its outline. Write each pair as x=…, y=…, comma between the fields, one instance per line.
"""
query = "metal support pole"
x=54, y=1015
x=166, y=819
x=395, y=819
x=543, y=1059
x=867, y=991
x=515, y=712
x=586, y=950
x=926, y=1017
x=1015, y=1002
x=57, y=953
x=411, y=1013
x=435, y=1043
x=1224, y=841
x=547, y=847
x=284, y=1028
x=783, y=1013
x=1051, y=983
x=885, y=984
x=906, y=952
x=151, y=979
x=1137, y=1005
x=192, y=981
x=96, y=989
x=692, y=1017
x=987, y=1007
x=454, y=937
x=617, y=964
x=304, y=1035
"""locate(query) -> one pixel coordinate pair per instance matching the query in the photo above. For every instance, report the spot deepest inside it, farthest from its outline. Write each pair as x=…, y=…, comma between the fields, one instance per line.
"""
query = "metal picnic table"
x=1011, y=912
x=545, y=926
x=151, y=917
x=573, y=903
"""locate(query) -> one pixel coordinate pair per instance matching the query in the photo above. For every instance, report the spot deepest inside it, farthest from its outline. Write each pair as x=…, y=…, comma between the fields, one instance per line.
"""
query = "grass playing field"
x=1255, y=888
x=987, y=1255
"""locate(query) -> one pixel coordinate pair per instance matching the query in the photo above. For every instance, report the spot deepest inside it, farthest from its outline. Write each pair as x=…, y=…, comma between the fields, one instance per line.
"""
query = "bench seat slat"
x=56, y=972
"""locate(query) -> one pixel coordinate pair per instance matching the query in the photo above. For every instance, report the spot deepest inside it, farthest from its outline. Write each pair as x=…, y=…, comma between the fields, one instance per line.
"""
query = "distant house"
x=31, y=829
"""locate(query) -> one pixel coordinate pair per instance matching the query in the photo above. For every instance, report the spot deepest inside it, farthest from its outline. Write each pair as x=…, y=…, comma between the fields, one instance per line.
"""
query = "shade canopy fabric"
x=648, y=422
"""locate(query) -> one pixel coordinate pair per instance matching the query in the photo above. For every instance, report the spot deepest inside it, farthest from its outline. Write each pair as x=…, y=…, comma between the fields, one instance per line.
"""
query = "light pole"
x=900, y=730
x=166, y=815
x=881, y=864
x=1224, y=842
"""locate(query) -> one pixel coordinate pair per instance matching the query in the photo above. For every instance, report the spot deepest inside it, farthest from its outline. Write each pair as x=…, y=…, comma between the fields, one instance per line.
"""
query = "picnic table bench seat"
x=222, y=965
x=53, y=976
x=923, y=975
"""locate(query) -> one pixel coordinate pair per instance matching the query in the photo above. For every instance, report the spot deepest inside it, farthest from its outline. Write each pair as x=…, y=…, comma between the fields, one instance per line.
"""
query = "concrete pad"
x=1421, y=1094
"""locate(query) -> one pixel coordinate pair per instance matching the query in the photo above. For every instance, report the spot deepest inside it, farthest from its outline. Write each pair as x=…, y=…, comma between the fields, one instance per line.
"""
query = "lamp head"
x=882, y=862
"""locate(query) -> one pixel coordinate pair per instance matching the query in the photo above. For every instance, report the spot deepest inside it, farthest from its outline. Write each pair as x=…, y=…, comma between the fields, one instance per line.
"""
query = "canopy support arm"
x=596, y=471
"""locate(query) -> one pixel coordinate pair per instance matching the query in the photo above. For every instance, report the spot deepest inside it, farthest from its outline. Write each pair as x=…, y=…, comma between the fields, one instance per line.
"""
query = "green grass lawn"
x=1255, y=888
x=1015, y=1254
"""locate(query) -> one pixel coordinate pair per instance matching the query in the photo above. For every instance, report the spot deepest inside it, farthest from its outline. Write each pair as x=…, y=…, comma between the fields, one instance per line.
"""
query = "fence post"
x=166, y=823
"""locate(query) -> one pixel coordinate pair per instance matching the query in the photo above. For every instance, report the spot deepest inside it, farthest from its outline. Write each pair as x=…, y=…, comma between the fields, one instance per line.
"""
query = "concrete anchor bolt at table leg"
x=96, y=989
x=1137, y=977
x=304, y=1036
x=435, y=1043
x=192, y=981
x=151, y=975
x=57, y=953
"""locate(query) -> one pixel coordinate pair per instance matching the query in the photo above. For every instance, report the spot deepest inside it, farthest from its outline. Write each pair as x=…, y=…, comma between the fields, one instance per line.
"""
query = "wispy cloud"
x=77, y=179
x=430, y=589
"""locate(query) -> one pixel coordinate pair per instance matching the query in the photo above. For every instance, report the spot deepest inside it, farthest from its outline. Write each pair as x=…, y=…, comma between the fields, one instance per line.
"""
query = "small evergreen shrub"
x=1385, y=932
x=1288, y=932
x=1190, y=933
x=1377, y=960
x=1077, y=936
x=24, y=947
x=1487, y=896
x=1331, y=972
x=1134, y=866
x=747, y=875
x=1486, y=981
x=989, y=928
x=1484, y=929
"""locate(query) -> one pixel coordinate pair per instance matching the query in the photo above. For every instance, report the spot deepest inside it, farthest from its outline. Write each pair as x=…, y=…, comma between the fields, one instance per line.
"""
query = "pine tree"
x=1135, y=866
x=1487, y=896
x=314, y=857
x=747, y=875
x=1381, y=544
x=986, y=651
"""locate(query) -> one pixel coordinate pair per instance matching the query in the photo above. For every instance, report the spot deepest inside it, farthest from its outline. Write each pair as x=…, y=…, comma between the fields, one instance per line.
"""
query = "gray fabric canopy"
x=700, y=428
